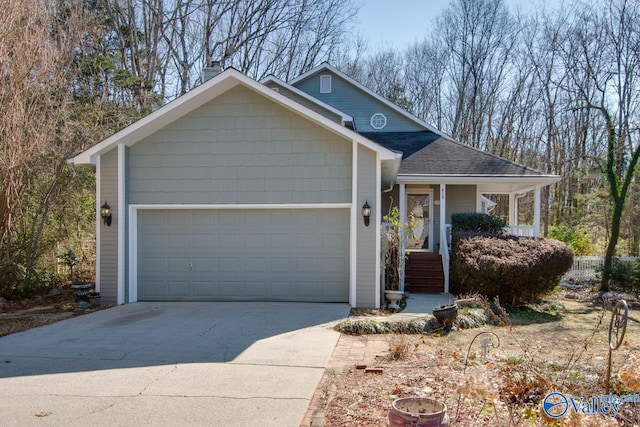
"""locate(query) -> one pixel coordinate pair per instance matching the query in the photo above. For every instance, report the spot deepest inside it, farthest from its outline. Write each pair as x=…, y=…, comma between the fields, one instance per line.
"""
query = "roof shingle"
x=427, y=153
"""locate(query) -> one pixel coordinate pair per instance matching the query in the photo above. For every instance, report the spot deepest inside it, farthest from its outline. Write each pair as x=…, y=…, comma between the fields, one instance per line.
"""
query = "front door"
x=420, y=214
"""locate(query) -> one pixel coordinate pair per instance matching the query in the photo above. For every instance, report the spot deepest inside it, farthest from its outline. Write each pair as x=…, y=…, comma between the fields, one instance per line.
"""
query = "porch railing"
x=521, y=230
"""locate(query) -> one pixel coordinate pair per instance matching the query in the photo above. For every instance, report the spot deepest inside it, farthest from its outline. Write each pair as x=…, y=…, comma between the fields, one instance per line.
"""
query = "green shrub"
x=514, y=269
x=477, y=222
x=626, y=274
x=577, y=238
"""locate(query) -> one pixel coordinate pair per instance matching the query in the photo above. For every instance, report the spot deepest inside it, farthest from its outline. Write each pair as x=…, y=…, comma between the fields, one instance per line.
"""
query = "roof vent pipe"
x=211, y=71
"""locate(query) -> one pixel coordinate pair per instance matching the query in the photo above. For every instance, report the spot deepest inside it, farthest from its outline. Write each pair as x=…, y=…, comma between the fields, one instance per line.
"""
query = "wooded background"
x=555, y=90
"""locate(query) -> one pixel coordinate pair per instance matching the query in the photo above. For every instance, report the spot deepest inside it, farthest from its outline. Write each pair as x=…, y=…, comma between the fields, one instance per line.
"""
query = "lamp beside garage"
x=366, y=212
x=105, y=213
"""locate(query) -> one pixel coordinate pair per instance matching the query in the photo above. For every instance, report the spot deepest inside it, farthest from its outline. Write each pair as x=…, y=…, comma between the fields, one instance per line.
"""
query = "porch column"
x=536, y=211
x=402, y=204
x=513, y=209
x=443, y=214
x=444, y=244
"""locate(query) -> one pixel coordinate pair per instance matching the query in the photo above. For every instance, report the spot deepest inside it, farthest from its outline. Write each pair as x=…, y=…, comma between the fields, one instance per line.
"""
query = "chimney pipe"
x=211, y=71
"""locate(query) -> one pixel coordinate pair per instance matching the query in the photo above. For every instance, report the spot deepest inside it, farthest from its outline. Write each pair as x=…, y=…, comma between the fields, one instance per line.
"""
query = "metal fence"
x=590, y=267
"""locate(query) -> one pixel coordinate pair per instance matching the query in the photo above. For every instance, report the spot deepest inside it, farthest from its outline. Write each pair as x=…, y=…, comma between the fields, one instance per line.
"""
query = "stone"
x=53, y=292
x=3, y=301
x=608, y=295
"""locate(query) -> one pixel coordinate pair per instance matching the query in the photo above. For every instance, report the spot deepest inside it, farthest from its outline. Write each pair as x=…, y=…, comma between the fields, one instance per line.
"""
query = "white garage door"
x=243, y=255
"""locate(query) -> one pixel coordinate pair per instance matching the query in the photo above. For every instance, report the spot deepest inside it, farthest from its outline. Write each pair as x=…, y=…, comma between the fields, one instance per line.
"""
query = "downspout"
x=394, y=168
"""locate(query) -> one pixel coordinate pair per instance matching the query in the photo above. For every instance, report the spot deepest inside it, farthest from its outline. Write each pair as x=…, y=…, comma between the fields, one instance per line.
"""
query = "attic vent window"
x=325, y=84
x=378, y=121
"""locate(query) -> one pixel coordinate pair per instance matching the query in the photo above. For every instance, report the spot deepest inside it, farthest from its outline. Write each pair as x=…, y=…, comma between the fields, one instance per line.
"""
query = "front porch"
x=428, y=205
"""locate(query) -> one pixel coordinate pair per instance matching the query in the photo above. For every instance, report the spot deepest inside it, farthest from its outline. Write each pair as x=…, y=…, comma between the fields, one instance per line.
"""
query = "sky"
x=398, y=23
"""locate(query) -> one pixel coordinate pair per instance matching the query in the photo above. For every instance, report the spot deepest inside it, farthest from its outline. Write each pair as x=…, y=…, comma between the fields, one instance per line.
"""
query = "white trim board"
x=353, y=232
x=245, y=206
x=122, y=223
x=133, y=227
x=207, y=92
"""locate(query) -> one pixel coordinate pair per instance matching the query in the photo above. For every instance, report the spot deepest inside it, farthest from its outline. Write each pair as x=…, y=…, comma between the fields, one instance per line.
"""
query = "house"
x=243, y=190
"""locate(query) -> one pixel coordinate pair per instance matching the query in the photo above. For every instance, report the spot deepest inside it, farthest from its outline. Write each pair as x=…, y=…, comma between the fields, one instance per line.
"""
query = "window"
x=378, y=121
x=325, y=84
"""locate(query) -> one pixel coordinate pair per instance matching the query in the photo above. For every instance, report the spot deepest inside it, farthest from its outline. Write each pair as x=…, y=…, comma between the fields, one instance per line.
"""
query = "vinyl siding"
x=240, y=148
x=109, y=235
x=366, y=236
x=311, y=105
x=460, y=198
x=356, y=103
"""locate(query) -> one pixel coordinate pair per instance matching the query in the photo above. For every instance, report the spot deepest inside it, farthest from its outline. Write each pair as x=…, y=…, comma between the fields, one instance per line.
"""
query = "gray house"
x=242, y=190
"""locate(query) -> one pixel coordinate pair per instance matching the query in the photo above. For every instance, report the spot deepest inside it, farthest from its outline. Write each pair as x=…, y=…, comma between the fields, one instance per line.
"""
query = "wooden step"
x=423, y=273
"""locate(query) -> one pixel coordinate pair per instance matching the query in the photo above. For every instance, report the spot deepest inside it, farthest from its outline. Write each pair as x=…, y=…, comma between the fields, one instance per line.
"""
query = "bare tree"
x=37, y=43
x=603, y=61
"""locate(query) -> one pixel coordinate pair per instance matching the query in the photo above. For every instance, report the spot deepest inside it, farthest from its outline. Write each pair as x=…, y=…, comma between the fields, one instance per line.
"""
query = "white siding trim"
x=133, y=254
x=98, y=222
x=353, y=233
x=204, y=93
x=402, y=205
x=121, y=224
x=271, y=79
x=245, y=206
x=133, y=230
x=378, y=225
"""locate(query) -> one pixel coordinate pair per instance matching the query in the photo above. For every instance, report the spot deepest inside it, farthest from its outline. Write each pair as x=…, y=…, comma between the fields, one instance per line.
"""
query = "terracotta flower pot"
x=418, y=411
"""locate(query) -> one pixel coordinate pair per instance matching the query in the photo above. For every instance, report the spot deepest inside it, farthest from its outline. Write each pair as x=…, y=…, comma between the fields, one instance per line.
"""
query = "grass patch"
x=536, y=314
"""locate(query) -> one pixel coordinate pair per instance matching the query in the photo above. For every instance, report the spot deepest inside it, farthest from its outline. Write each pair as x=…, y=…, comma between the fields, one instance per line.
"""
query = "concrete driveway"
x=169, y=364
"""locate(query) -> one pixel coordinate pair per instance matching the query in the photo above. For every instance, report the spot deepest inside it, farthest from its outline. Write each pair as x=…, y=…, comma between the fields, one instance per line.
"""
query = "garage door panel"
x=305, y=241
x=230, y=289
x=178, y=265
x=236, y=255
x=203, y=289
x=229, y=265
x=229, y=241
x=178, y=241
x=280, y=265
x=177, y=288
x=254, y=242
x=333, y=264
x=151, y=241
x=201, y=265
x=278, y=223
x=152, y=265
x=255, y=265
x=204, y=241
x=306, y=265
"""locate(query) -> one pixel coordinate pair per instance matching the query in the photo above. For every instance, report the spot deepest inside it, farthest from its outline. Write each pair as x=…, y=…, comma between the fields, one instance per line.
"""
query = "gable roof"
x=206, y=92
x=328, y=67
x=344, y=117
x=426, y=153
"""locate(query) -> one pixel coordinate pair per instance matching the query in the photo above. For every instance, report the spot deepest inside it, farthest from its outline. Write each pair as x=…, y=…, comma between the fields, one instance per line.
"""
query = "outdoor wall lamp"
x=105, y=213
x=366, y=212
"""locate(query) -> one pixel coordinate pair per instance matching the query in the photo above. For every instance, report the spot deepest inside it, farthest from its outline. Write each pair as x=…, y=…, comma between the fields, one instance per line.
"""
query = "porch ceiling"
x=490, y=184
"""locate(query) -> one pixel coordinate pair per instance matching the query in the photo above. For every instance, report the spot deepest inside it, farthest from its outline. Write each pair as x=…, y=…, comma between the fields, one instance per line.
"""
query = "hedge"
x=515, y=269
x=477, y=223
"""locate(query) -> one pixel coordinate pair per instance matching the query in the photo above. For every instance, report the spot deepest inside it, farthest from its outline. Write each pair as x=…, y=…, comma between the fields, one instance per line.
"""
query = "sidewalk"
x=362, y=350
